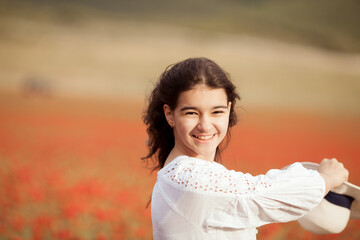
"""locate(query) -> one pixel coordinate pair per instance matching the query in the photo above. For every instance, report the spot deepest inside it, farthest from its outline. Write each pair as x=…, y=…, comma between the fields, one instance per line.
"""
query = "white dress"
x=196, y=199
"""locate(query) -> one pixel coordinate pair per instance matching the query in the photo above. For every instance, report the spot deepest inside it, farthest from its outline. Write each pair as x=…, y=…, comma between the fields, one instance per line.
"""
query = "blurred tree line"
x=328, y=24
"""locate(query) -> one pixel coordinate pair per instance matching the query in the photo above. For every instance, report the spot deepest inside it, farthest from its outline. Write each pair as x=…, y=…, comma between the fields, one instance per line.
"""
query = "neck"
x=175, y=153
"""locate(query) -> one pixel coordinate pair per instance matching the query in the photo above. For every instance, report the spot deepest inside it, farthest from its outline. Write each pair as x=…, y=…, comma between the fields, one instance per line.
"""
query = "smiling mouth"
x=206, y=137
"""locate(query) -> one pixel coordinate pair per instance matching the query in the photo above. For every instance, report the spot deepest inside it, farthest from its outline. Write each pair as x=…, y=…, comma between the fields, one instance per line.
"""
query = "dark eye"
x=190, y=113
x=218, y=112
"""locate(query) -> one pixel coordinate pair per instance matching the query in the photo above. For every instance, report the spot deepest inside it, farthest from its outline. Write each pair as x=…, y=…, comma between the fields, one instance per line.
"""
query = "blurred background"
x=74, y=77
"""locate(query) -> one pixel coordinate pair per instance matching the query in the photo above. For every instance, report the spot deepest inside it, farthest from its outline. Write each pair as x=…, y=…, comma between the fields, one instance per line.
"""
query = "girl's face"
x=200, y=121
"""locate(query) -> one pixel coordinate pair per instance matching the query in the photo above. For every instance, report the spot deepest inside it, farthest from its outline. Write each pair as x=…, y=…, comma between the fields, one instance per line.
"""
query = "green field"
x=328, y=24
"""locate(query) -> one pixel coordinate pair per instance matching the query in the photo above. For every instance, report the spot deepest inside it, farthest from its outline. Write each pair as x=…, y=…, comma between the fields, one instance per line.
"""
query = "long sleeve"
x=278, y=196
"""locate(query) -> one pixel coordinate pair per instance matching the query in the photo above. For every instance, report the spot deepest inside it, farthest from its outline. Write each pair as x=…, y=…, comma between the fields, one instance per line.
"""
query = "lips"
x=204, y=137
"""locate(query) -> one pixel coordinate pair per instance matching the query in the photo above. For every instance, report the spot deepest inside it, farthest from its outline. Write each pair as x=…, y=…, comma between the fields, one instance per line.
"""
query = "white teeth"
x=204, y=137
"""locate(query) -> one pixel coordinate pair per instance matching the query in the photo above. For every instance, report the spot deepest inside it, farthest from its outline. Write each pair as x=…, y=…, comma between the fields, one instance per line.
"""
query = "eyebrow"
x=195, y=108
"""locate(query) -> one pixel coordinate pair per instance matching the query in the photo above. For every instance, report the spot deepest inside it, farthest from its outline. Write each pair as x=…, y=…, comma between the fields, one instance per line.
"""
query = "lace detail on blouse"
x=213, y=178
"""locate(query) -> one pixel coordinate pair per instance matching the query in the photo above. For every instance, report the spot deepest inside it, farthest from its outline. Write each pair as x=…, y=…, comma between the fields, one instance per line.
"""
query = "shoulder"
x=197, y=175
x=191, y=166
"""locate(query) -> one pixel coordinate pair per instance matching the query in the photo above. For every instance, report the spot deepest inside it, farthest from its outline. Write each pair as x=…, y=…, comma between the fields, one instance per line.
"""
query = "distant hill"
x=329, y=24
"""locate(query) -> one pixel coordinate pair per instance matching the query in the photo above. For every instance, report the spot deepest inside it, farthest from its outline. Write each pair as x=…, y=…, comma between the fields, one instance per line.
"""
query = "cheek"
x=222, y=126
x=185, y=127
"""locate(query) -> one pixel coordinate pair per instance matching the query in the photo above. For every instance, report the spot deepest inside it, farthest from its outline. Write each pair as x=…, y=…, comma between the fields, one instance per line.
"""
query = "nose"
x=205, y=124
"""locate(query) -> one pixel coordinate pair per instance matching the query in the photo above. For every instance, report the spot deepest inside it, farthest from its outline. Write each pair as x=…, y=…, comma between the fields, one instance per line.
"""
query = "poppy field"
x=71, y=169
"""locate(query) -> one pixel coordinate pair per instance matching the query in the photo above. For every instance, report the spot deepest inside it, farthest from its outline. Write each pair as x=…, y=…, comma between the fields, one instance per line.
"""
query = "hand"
x=333, y=173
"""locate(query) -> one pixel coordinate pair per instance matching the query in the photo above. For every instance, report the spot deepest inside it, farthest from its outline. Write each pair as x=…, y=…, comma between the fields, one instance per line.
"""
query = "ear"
x=169, y=115
x=229, y=105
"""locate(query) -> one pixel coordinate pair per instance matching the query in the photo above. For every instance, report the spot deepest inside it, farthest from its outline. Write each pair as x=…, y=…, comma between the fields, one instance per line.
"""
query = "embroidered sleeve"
x=210, y=179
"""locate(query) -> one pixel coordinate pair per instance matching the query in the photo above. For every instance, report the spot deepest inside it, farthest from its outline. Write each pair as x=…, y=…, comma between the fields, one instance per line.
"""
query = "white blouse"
x=197, y=199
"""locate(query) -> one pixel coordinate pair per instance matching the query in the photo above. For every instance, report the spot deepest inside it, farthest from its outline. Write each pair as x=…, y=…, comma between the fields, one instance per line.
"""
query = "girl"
x=189, y=116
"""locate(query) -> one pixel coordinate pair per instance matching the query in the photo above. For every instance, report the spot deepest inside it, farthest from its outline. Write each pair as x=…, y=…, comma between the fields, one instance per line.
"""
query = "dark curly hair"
x=178, y=78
